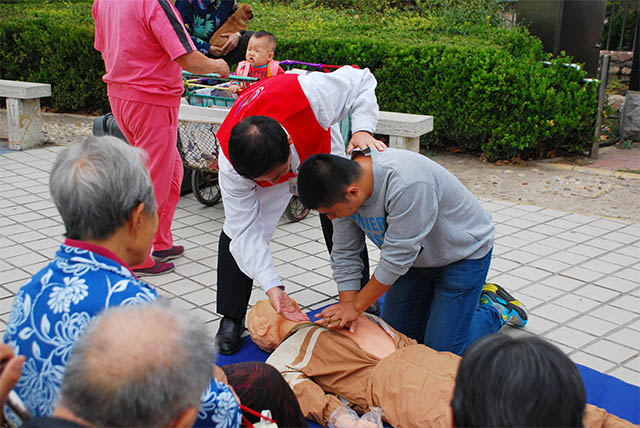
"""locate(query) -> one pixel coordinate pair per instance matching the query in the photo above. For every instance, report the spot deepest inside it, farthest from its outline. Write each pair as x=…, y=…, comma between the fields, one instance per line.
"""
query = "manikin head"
x=266, y=327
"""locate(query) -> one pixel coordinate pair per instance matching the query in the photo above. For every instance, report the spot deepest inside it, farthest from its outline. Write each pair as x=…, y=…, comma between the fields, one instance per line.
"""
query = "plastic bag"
x=264, y=423
x=344, y=417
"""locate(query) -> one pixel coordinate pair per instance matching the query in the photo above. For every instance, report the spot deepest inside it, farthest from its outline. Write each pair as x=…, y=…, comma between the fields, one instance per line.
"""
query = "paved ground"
x=576, y=268
x=591, y=189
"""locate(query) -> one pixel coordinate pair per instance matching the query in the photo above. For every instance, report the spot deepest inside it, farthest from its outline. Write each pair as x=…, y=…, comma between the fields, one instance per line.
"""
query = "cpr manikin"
x=375, y=367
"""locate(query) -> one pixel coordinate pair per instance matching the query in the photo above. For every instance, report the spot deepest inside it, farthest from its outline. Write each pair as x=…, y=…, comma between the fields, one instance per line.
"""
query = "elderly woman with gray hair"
x=105, y=197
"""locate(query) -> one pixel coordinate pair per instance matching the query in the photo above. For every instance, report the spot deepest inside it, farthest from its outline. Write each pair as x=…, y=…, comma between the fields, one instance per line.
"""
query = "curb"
x=587, y=170
x=66, y=115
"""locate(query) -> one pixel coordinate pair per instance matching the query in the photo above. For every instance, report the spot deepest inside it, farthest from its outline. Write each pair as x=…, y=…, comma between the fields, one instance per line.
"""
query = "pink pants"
x=154, y=129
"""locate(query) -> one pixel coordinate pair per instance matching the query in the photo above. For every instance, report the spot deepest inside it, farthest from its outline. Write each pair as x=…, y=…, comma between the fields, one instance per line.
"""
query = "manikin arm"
x=314, y=402
x=595, y=417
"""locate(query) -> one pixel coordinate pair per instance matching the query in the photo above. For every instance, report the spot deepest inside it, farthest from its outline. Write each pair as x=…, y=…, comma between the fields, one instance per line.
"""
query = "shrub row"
x=53, y=43
x=453, y=12
x=486, y=87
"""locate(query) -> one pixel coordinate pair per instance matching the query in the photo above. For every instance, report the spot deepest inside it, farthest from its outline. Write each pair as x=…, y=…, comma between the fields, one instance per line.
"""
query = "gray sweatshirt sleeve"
x=411, y=214
x=345, y=255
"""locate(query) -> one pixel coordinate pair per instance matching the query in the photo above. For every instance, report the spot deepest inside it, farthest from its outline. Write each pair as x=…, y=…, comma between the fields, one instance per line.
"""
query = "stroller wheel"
x=295, y=210
x=205, y=187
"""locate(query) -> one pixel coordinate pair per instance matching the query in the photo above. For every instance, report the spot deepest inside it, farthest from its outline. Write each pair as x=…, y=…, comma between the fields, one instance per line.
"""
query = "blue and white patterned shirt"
x=56, y=305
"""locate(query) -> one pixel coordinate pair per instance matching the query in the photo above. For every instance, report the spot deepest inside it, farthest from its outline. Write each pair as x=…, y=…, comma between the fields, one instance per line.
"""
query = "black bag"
x=107, y=125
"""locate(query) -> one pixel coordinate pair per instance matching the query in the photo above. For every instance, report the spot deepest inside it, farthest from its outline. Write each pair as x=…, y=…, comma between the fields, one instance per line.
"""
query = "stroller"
x=198, y=144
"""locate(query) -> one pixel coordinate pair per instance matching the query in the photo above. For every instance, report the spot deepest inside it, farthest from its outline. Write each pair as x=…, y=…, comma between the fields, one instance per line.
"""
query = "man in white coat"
x=270, y=130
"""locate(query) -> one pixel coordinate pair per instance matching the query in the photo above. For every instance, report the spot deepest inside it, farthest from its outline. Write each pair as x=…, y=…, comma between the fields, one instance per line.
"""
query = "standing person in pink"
x=145, y=47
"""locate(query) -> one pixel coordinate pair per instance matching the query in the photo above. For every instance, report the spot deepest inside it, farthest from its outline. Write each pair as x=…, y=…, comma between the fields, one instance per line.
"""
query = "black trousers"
x=327, y=231
x=234, y=287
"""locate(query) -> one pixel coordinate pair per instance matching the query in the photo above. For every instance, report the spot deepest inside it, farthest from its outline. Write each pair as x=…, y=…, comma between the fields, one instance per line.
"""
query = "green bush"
x=453, y=12
x=486, y=87
x=53, y=43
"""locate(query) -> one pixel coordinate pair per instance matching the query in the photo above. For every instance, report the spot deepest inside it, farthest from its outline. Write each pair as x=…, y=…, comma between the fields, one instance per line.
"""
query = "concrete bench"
x=213, y=115
x=404, y=130
x=23, y=112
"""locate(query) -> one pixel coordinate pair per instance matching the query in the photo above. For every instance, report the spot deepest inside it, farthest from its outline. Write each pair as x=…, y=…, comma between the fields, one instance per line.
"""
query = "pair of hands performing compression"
x=280, y=300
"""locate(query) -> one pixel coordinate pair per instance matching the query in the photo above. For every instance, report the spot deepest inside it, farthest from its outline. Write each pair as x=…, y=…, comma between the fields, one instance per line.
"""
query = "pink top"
x=139, y=41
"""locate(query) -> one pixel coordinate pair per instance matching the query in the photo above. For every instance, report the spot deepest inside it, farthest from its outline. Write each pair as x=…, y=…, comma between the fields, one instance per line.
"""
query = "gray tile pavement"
x=578, y=275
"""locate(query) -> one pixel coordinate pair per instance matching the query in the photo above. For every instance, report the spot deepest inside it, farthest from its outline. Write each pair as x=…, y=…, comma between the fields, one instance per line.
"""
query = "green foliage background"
x=485, y=86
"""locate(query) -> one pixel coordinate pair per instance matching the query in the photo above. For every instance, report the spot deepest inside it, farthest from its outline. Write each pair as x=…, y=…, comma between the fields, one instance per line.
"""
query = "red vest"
x=280, y=98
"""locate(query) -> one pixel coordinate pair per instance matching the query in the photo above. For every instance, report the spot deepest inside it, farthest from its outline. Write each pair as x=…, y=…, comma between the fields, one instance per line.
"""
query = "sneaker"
x=159, y=268
x=512, y=311
x=170, y=254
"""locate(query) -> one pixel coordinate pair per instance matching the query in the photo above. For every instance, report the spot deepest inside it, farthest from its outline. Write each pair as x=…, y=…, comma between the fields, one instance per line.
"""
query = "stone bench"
x=23, y=112
x=213, y=115
x=404, y=130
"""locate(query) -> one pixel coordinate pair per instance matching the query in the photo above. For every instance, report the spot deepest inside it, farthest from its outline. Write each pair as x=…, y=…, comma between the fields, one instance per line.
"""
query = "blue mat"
x=615, y=396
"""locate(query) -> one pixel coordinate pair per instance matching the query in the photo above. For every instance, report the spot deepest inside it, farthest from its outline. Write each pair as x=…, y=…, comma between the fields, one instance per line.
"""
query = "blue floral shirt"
x=203, y=17
x=56, y=305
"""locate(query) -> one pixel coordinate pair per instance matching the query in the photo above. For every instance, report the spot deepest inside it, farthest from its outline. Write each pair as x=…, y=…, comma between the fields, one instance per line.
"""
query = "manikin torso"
x=371, y=337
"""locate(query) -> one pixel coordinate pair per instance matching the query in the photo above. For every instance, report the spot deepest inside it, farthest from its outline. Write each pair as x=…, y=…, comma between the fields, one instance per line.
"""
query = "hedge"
x=486, y=87
x=54, y=44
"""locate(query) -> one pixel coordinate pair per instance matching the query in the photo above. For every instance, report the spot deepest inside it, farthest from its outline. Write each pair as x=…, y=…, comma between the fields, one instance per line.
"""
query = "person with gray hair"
x=137, y=366
x=94, y=194
x=104, y=194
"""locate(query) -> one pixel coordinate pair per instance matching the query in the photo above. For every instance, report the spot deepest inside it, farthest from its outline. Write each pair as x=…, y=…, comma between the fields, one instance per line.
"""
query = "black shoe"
x=374, y=309
x=229, y=336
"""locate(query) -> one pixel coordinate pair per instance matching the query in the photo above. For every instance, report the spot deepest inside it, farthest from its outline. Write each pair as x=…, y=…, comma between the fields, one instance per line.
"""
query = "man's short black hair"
x=257, y=145
x=323, y=180
x=521, y=381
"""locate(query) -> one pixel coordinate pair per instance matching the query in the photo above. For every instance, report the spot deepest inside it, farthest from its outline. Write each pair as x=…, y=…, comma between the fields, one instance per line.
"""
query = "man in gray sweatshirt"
x=435, y=243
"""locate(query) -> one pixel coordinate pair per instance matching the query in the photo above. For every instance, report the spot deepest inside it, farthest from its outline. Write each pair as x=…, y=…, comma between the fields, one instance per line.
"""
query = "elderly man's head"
x=139, y=366
x=101, y=185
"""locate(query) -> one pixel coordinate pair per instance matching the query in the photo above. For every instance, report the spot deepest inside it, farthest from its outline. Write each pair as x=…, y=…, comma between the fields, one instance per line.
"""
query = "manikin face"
x=259, y=51
x=266, y=327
